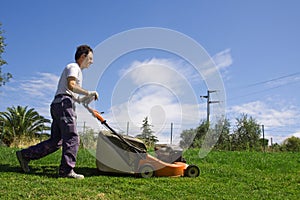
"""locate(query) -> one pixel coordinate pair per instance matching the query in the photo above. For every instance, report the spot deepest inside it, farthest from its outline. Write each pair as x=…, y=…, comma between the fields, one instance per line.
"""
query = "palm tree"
x=19, y=121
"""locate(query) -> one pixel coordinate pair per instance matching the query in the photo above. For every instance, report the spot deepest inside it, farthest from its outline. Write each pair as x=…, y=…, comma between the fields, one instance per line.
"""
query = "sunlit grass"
x=224, y=175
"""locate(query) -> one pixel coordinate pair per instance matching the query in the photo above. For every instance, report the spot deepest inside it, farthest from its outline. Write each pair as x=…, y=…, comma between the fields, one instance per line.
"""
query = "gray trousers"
x=63, y=133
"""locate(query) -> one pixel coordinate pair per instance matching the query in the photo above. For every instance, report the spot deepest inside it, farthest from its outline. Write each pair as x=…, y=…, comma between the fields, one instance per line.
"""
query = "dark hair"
x=82, y=49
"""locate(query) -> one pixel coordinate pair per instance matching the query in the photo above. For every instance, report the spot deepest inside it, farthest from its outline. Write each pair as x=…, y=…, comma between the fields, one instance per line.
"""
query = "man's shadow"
x=50, y=171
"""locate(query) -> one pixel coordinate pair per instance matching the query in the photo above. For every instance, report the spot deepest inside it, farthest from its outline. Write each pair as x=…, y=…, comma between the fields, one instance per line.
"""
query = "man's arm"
x=72, y=85
x=76, y=88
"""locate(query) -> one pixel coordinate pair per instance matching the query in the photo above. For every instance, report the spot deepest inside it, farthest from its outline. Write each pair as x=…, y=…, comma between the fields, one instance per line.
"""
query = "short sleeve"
x=73, y=71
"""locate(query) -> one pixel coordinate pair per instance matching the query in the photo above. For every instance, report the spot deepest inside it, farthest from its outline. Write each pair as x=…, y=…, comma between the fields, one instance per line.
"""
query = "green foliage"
x=201, y=131
x=246, y=134
x=193, y=138
x=224, y=175
x=4, y=77
x=147, y=134
x=223, y=143
x=292, y=144
x=217, y=135
x=187, y=138
x=88, y=139
x=19, y=122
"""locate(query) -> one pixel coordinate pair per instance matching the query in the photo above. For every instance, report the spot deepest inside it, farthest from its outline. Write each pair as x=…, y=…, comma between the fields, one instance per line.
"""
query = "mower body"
x=114, y=156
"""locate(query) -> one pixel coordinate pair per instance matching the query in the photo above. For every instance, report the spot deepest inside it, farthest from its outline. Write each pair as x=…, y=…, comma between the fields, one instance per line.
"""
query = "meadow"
x=224, y=175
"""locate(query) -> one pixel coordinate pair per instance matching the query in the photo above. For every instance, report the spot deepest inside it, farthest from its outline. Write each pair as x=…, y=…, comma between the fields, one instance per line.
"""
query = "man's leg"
x=70, y=147
x=70, y=139
x=44, y=148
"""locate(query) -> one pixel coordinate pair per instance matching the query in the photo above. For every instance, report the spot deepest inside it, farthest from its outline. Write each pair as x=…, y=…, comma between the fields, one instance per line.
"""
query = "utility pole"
x=2, y=123
x=209, y=102
x=171, y=133
x=127, y=128
x=263, y=132
x=84, y=127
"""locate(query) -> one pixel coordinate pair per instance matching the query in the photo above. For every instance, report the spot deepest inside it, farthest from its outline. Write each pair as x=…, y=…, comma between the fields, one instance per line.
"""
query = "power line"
x=267, y=81
x=260, y=91
x=272, y=80
x=267, y=89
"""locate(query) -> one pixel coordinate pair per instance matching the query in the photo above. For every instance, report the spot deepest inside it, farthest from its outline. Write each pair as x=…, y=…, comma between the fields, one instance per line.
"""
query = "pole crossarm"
x=209, y=102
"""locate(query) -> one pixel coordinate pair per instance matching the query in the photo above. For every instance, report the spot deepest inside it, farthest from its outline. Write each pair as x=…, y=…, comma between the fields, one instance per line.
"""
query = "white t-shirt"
x=71, y=69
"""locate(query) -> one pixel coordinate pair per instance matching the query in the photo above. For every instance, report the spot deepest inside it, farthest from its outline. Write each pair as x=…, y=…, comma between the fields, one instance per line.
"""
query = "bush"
x=292, y=144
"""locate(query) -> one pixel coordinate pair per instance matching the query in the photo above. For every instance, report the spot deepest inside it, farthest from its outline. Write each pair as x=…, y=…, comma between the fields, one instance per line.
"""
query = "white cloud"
x=160, y=107
x=218, y=64
x=40, y=85
x=167, y=72
x=267, y=115
x=35, y=92
x=161, y=89
x=223, y=59
x=165, y=90
x=297, y=134
x=278, y=119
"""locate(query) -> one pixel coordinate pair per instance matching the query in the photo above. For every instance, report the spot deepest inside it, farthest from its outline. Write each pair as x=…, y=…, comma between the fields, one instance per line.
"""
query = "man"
x=63, y=127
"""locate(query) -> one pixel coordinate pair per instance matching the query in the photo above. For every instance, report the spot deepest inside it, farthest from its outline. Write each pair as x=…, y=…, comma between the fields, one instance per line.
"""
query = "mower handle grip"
x=98, y=116
x=95, y=113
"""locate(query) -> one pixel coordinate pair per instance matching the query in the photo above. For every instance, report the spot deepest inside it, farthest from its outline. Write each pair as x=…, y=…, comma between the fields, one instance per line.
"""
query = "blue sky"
x=255, y=45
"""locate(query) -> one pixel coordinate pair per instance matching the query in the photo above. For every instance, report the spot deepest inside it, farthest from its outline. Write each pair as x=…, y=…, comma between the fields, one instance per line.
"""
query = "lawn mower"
x=120, y=154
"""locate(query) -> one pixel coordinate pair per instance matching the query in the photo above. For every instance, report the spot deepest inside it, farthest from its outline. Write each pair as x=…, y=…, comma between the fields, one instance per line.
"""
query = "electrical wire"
x=267, y=89
x=271, y=80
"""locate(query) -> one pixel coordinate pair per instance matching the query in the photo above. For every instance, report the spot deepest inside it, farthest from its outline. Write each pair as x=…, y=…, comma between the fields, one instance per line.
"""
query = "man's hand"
x=93, y=94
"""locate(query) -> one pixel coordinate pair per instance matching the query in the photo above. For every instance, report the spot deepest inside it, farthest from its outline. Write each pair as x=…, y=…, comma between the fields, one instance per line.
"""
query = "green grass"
x=224, y=175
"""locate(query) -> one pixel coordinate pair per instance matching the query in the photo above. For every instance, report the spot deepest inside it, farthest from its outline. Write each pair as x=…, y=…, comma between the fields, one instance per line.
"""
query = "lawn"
x=224, y=175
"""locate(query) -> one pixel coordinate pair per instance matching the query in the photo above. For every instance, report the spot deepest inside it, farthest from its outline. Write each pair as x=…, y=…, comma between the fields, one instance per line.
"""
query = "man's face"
x=87, y=60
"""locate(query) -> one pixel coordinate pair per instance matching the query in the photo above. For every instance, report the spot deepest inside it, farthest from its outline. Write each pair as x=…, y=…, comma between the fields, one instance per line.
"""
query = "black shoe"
x=23, y=162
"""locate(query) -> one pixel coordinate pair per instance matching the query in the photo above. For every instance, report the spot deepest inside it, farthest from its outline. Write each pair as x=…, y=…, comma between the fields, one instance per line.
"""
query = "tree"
x=19, y=122
x=201, y=132
x=193, y=138
x=292, y=144
x=88, y=138
x=264, y=142
x=224, y=141
x=246, y=134
x=187, y=138
x=147, y=134
x=4, y=77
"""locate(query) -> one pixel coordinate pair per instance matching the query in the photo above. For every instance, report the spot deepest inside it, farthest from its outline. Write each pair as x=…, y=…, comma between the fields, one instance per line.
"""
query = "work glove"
x=93, y=94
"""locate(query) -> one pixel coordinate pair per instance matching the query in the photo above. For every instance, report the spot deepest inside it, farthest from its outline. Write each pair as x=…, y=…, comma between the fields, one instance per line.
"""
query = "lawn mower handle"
x=96, y=114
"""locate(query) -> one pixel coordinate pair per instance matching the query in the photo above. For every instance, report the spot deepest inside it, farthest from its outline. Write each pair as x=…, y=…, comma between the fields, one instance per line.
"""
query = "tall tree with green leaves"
x=246, y=135
x=187, y=138
x=20, y=121
x=193, y=138
x=4, y=77
x=147, y=134
x=224, y=140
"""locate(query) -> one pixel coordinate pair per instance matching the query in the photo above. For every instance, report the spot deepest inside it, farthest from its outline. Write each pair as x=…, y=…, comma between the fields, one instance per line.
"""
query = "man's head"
x=84, y=56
